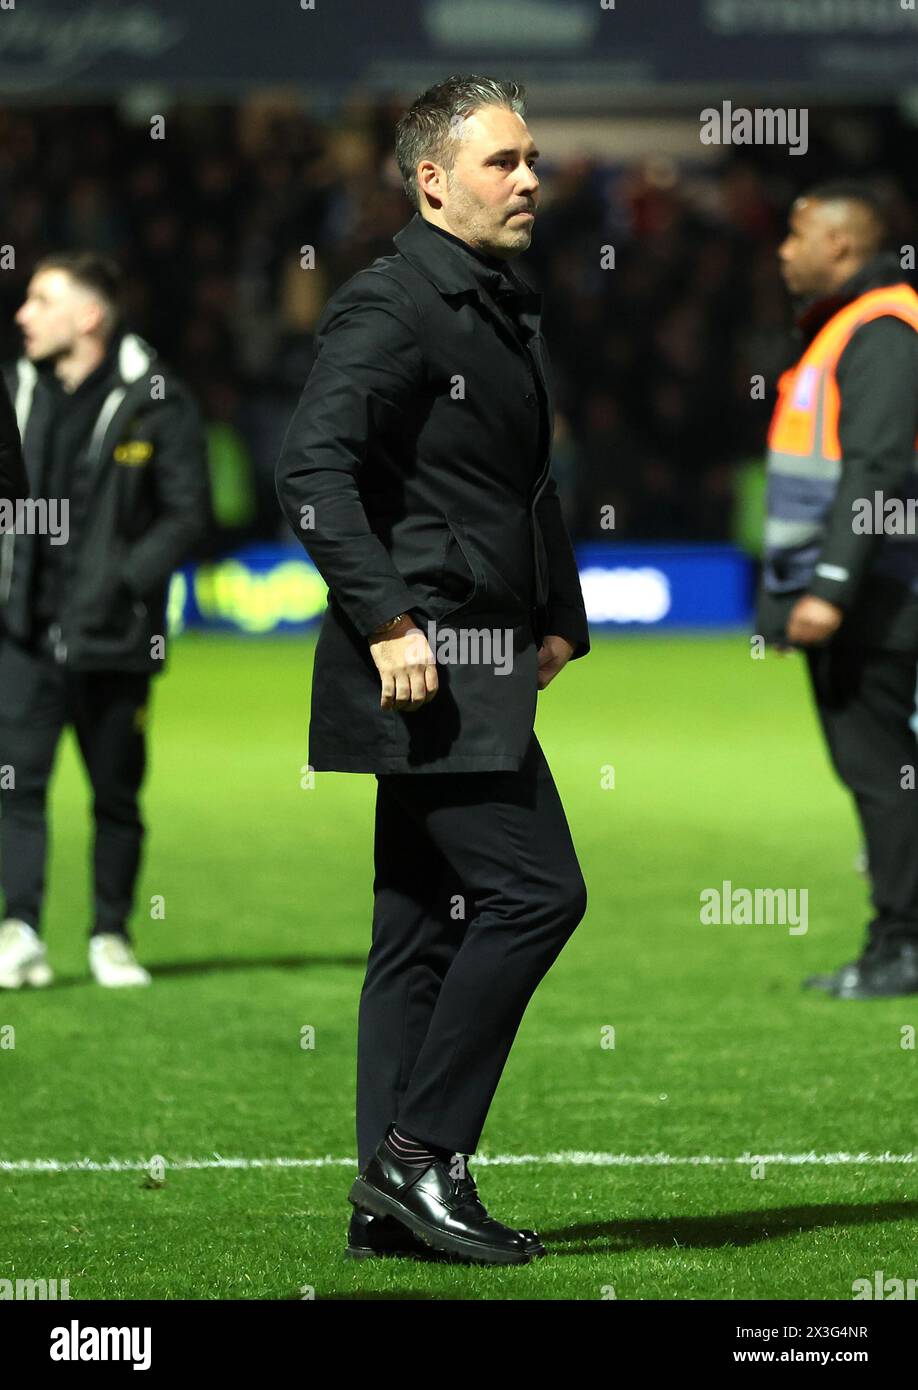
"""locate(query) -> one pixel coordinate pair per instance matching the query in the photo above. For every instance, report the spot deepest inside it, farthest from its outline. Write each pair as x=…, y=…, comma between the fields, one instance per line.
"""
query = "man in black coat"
x=839, y=589
x=416, y=473
x=115, y=452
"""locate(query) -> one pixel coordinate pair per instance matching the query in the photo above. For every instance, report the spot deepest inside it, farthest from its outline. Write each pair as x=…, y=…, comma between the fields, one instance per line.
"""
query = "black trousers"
x=865, y=697
x=477, y=888
x=38, y=699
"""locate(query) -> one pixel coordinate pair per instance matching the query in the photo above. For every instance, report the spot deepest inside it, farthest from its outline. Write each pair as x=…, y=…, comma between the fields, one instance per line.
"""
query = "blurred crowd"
x=652, y=359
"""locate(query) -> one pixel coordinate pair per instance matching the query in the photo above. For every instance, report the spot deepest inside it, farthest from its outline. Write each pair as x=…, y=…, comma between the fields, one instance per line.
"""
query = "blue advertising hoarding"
x=274, y=588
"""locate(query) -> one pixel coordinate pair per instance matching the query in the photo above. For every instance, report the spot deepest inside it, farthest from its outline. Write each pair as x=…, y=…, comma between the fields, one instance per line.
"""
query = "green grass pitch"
x=719, y=774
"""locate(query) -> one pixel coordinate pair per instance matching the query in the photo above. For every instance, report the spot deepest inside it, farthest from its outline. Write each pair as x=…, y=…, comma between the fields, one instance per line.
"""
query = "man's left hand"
x=813, y=620
x=554, y=653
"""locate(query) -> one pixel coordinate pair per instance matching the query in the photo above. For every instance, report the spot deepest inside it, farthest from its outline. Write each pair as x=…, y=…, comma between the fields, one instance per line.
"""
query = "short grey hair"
x=431, y=126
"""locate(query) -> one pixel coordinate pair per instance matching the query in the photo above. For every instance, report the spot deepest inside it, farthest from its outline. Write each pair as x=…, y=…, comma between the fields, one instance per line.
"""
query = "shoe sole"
x=423, y=1255
x=862, y=996
x=365, y=1252
x=38, y=975
x=122, y=984
x=352, y=1252
x=367, y=1198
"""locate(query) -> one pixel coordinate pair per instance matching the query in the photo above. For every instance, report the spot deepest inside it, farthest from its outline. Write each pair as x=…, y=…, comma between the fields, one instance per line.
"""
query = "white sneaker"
x=23, y=959
x=112, y=962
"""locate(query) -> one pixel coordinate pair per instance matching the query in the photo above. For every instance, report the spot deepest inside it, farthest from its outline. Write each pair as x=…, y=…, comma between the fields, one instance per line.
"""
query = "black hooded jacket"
x=138, y=503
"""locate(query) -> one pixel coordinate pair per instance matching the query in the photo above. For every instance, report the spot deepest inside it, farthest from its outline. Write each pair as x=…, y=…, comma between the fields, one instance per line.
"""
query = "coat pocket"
x=459, y=581
x=120, y=620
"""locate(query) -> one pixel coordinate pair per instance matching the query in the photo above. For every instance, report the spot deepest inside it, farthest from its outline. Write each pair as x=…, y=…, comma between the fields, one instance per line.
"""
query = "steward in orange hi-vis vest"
x=840, y=571
x=843, y=443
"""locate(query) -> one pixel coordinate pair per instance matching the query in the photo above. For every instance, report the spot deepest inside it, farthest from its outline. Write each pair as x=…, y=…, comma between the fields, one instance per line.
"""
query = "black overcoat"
x=411, y=472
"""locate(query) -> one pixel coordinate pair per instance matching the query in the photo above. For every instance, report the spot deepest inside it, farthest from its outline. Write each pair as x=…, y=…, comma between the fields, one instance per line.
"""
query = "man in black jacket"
x=834, y=583
x=416, y=473
x=114, y=448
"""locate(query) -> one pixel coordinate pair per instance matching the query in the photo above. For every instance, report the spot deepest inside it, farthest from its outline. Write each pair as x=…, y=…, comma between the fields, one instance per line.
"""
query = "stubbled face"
x=490, y=195
x=56, y=312
x=809, y=252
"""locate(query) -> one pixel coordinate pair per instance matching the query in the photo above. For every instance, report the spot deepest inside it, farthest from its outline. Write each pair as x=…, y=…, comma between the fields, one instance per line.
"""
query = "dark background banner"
x=104, y=45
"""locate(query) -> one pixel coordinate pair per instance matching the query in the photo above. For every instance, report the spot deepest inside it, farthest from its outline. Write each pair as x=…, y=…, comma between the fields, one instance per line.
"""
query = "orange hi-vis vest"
x=805, y=456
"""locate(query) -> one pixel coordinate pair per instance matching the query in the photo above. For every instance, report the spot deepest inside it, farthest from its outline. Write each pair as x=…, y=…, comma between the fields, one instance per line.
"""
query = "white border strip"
x=562, y=1159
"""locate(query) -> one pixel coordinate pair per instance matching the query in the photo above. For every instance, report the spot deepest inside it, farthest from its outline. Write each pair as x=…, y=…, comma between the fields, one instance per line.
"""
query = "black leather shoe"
x=874, y=951
x=381, y=1235
x=445, y=1213
x=884, y=978
x=369, y=1236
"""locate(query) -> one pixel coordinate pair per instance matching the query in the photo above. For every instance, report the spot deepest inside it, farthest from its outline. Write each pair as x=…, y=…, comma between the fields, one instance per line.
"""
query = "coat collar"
x=131, y=360
x=128, y=358
x=452, y=269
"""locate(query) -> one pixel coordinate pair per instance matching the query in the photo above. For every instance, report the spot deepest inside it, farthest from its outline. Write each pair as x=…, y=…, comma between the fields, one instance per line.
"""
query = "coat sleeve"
x=365, y=380
x=878, y=419
x=14, y=485
x=182, y=487
x=566, y=613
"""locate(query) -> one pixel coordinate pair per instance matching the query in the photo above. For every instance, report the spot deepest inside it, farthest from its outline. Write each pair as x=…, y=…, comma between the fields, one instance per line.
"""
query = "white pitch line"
x=562, y=1159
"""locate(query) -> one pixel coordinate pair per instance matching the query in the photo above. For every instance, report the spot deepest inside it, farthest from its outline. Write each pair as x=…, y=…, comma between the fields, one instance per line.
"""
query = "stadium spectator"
x=114, y=442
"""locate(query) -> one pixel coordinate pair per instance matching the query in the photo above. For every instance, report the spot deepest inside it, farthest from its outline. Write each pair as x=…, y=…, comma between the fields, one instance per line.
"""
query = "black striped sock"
x=413, y=1153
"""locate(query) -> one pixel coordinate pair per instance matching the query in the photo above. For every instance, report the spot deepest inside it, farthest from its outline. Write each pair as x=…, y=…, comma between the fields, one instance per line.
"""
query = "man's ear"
x=840, y=242
x=90, y=316
x=431, y=181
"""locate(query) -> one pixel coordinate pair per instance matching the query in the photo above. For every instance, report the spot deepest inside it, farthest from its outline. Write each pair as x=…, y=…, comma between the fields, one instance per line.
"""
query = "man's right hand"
x=406, y=666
